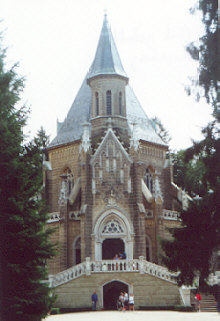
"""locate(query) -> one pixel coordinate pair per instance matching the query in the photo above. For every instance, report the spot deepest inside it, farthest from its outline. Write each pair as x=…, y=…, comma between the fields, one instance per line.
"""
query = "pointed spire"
x=107, y=60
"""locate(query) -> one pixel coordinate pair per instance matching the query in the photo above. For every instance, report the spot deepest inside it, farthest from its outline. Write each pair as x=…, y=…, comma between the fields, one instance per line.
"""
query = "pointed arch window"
x=148, y=179
x=120, y=103
x=77, y=250
x=97, y=103
x=109, y=102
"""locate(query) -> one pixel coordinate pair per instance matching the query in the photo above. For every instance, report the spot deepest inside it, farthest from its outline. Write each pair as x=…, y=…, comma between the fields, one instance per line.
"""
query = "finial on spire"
x=105, y=13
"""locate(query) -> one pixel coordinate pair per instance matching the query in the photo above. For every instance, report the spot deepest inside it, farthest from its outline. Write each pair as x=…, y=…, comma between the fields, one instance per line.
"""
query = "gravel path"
x=135, y=316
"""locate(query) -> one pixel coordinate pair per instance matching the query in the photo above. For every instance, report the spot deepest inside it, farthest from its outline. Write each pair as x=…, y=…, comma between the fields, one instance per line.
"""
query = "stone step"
x=208, y=305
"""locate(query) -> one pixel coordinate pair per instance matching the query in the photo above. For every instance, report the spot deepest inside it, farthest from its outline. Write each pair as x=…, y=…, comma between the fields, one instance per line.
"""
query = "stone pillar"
x=86, y=204
x=63, y=238
x=185, y=295
x=135, y=198
x=88, y=266
x=63, y=228
x=141, y=264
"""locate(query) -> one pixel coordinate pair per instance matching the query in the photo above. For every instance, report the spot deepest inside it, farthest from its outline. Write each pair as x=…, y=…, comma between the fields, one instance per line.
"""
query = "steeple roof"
x=107, y=60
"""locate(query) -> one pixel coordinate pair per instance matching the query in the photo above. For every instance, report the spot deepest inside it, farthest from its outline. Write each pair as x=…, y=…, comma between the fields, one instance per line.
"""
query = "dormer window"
x=109, y=102
x=97, y=103
x=120, y=103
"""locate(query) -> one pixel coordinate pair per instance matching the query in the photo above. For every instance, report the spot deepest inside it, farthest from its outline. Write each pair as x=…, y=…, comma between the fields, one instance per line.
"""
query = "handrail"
x=112, y=266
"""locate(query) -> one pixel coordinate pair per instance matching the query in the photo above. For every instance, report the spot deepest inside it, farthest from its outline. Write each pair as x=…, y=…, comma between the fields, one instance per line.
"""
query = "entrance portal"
x=111, y=292
x=110, y=247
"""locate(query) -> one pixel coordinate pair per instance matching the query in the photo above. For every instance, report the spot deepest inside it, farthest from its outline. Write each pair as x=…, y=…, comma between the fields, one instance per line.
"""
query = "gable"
x=112, y=149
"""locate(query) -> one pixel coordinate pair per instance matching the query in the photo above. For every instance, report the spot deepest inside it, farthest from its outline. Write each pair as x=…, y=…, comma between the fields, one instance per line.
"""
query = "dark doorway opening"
x=78, y=256
x=110, y=247
x=78, y=251
x=111, y=292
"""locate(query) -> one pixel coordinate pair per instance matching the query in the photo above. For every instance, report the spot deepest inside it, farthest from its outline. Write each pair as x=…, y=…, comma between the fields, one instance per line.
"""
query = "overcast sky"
x=55, y=41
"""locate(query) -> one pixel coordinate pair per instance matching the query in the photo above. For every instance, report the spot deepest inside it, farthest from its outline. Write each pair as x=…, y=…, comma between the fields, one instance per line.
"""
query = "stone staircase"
x=111, y=266
x=208, y=304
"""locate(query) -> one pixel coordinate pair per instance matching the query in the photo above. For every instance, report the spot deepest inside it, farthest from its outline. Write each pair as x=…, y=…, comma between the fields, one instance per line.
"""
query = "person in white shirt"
x=131, y=302
x=122, y=301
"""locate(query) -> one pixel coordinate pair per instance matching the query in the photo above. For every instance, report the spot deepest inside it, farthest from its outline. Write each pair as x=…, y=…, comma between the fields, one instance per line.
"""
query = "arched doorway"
x=112, y=246
x=111, y=292
x=111, y=225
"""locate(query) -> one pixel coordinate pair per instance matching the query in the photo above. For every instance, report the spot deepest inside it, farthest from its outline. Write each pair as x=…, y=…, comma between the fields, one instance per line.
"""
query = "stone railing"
x=170, y=215
x=53, y=217
x=157, y=270
x=70, y=274
x=109, y=266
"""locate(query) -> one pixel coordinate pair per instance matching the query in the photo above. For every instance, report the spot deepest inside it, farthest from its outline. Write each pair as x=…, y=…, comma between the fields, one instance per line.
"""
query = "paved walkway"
x=135, y=316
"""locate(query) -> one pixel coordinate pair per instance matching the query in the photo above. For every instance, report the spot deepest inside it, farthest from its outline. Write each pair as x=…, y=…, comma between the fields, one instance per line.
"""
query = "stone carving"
x=112, y=227
x=63, y=193
x=85, y=145
x=134, y=141
x=158, y=193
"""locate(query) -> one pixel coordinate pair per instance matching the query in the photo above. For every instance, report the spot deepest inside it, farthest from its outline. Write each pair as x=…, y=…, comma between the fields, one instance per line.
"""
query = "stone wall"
x=147, y=290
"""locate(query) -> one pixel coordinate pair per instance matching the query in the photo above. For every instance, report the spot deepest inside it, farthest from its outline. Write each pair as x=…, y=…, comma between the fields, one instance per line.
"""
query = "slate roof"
x=107, y=61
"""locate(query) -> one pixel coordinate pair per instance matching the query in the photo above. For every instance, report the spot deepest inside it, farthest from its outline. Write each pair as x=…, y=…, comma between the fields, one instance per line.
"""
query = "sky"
x=55, y=42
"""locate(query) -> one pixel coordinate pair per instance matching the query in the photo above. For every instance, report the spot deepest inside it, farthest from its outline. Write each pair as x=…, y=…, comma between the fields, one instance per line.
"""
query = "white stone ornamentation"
x=85, y=145
x=63, y=193
x=112, y=227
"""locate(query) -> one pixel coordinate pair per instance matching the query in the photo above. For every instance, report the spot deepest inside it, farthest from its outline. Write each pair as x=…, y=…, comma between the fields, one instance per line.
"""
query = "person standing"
x=122, y=301
x=94, y=300
x=126, y=300
x=198, y=299
x=131, y=302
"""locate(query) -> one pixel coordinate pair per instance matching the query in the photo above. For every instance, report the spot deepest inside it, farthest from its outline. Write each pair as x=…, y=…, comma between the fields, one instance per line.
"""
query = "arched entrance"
x=112, y=246
x=113, y=231
x=111, y=292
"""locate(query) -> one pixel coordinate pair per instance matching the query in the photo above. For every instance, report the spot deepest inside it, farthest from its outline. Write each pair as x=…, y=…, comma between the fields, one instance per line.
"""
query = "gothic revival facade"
x=109, y=189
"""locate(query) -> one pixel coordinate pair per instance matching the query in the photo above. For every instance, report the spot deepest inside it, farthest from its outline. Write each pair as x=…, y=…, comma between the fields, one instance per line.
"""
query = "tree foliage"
x=188, y=174
x=161, y=130
x=191, y=249
x=198, y=171
x=207, y=53
x=23, y=238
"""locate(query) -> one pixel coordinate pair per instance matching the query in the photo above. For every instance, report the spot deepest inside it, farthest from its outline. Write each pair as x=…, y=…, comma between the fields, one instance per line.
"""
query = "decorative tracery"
x=112, y=226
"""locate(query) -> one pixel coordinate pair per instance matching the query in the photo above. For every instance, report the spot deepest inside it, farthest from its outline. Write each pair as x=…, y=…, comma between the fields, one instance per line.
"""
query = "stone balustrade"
x=170, y=215
x=110, y=266
x=53, y=217
x=159, y=271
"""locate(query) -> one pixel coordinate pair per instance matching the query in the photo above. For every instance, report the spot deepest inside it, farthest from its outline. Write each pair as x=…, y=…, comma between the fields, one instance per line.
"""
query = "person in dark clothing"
x=94, y=298
x=124, y=256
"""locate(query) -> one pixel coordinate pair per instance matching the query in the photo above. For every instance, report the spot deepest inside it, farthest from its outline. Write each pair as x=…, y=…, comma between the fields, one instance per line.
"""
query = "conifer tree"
x=24, y=294
x=191, y=250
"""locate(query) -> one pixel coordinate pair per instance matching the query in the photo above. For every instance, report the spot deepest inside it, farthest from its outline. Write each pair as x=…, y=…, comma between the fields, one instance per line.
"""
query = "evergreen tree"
x=23, y=239
x=191, y=250
x=188, y=173
x=207, y=53
x=161, y=130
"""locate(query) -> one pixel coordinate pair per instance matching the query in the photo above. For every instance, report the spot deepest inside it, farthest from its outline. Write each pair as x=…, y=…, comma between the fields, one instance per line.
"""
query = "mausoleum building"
x=110, y=190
